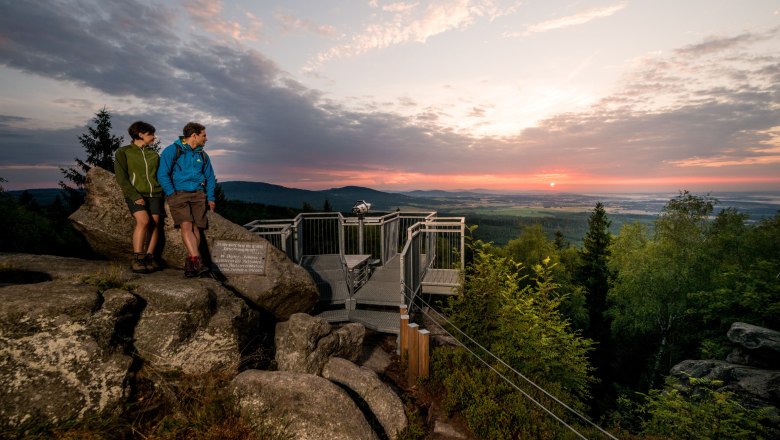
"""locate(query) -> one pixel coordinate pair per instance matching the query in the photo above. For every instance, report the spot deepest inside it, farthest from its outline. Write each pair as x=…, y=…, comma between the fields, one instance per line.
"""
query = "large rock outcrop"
x=750, y=372
x=58, y=355
x=384, y=403
x=197, y=327
x=305, y=406
x=69, y=329
x=305, y=343
x=285, y=288
x=754, y=346
x=755, y=387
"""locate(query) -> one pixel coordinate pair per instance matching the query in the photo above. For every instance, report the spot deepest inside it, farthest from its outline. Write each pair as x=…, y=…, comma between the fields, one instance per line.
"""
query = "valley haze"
x=758, y=205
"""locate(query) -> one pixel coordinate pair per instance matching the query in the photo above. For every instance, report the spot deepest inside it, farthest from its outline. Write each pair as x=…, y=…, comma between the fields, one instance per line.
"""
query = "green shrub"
x=523, y=327
x=702, y=412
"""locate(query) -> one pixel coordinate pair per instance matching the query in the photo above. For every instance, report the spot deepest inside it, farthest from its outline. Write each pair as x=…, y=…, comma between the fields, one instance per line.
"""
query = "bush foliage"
x=520, y=324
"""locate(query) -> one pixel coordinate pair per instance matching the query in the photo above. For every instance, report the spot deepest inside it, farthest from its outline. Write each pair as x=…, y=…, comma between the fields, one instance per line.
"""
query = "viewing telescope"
x=361, y=207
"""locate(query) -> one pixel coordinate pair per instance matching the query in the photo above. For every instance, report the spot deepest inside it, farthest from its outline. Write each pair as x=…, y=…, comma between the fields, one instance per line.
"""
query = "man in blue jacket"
x=188, y=181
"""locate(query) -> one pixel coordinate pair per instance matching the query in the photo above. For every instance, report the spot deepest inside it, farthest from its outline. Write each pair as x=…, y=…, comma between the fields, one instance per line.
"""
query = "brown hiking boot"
x=189, y=268
x=151, y=263
x=138, y=264
x=201, y=268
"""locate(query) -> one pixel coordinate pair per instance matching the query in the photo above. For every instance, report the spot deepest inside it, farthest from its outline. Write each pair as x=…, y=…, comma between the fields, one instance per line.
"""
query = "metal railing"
x=278, y=232
x=437, y=243
x=423, y=240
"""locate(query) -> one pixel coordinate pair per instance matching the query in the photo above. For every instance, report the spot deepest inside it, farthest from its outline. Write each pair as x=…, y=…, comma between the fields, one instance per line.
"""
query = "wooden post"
x=423, y=351
x=414, y=360
x=403, y=309
x=403, y=337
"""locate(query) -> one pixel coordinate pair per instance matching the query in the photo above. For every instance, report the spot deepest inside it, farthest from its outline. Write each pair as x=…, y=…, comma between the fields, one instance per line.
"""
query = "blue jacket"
x=189, y=173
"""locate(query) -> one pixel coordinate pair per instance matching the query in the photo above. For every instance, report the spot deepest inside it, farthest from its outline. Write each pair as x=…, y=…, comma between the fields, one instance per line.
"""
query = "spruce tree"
x=100, y=146
x=593, y=275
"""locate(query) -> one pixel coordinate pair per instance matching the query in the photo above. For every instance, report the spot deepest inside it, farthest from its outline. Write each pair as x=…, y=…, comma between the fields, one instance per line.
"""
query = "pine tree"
x=100, y=146
x=593, y=275
x=560, y=241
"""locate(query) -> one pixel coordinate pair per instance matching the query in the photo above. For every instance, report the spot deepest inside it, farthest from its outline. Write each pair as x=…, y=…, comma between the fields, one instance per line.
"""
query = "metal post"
x=360, y=234
x=382, y=225
x=462, y=244
x=424, y=353
x=342, y=225
x=403, y=346
x=414, y=360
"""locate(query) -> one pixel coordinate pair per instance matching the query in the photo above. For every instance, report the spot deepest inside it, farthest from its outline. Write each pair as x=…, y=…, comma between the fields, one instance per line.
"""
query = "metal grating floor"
x=440, y=281
x=385, y=322
x=341, y=315
x=383, y=288
x=381, y=321
x=329, y=276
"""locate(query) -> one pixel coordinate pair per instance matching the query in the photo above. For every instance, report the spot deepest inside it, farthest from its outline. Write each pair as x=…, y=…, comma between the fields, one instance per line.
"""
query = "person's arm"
x=164, y=170
x=211, y=184
x=123, y=176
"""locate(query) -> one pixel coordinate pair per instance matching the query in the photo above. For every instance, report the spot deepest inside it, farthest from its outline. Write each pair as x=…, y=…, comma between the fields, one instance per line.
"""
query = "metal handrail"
x=413, y=235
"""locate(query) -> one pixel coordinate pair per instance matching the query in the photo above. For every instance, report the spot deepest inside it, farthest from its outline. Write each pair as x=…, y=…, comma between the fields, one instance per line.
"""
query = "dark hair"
x=138, y=127
x=192, y=128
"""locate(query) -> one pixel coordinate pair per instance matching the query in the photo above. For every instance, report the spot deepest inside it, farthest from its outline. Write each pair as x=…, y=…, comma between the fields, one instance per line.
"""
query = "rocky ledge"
x=75, y=334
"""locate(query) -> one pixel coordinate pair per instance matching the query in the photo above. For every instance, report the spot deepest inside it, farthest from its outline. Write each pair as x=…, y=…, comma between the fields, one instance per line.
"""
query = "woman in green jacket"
x=135, y=166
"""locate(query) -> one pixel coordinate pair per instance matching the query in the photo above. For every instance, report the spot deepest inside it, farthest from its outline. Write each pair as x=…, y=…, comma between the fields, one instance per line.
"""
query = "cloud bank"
x=703, y=110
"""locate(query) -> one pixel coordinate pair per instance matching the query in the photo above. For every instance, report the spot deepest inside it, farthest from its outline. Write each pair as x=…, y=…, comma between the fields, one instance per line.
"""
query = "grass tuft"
x=116, y=277
x=165, y=406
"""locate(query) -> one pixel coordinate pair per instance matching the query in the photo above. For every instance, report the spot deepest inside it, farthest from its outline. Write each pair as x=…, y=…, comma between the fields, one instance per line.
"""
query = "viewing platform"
x=366, y=267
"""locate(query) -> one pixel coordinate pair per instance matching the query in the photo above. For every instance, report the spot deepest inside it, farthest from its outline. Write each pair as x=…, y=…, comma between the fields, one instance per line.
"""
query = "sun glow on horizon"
x=388, y=180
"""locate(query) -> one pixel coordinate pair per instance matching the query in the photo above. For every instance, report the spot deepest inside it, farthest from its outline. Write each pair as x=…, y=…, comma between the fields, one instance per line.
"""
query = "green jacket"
x=136, y=171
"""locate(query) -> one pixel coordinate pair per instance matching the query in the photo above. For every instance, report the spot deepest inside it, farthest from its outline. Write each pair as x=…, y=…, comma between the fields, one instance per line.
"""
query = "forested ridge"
x=600, y=325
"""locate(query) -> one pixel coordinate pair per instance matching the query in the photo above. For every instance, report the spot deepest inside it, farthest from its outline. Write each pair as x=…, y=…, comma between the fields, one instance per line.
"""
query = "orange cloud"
x=206, y=14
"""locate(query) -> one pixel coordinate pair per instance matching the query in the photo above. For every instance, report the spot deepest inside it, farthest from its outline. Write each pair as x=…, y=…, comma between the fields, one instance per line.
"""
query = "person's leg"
x=190, y=235
x=154, y=233
x=139, y=233
x=199, y=209
x=179, y=204
x=138, y=262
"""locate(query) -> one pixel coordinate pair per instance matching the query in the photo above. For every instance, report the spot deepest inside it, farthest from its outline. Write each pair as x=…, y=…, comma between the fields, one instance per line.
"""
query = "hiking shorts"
x=189, y=206
x=152, y=206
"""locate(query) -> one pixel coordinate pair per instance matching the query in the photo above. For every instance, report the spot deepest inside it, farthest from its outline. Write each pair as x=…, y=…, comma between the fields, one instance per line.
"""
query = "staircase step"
x=385, y=322
x=339, y=315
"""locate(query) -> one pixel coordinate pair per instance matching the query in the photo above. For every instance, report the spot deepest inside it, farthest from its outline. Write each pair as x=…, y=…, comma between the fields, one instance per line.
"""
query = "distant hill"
x=437, y=194
x=341, y=199
x=43, y=196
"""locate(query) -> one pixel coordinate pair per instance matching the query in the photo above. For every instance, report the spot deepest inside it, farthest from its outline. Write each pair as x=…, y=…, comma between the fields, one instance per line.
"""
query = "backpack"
x=203, y=159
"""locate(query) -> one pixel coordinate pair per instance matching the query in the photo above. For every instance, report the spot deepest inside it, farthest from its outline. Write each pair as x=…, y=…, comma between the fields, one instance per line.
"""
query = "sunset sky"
x=555, y=95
